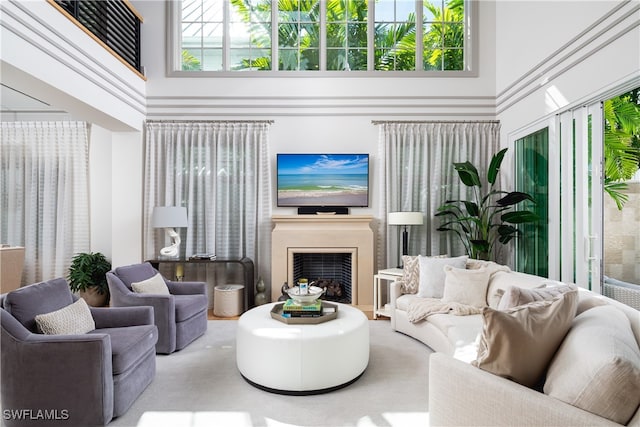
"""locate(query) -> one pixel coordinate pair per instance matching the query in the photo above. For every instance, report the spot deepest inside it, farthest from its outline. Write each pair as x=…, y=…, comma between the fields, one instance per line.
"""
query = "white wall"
x=100, y=165
x=553, y=55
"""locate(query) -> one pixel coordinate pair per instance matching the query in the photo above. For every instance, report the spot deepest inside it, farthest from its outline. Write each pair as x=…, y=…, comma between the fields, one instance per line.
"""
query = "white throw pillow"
x=153, y=285
x=432, y=274
x=74, y=319
x=467, y=287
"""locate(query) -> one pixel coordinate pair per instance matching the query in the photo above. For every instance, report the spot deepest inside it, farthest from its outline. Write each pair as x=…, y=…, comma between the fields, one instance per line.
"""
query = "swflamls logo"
x=35, y=414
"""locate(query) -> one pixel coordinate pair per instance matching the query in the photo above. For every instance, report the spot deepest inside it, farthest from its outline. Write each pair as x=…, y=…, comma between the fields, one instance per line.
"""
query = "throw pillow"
x=606, y=380
x=514, y=296
x=410, y=274
x=432, y=274
x=467, y=287
x=519, y=343
x=74, y=319
x=153, y=285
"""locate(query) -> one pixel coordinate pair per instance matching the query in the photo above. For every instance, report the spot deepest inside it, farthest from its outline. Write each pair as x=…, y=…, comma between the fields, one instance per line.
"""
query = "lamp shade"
x=405, y=218
x=169, y=217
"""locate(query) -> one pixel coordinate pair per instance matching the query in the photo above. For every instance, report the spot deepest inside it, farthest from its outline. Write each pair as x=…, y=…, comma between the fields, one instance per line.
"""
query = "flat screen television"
x=322, y=180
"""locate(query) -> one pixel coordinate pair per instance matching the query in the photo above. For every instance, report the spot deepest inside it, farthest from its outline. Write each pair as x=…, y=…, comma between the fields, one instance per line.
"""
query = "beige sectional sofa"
x=463, y=394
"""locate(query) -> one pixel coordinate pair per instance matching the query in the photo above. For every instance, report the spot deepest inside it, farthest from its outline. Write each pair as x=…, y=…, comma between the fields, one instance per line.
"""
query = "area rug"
x=201, y=386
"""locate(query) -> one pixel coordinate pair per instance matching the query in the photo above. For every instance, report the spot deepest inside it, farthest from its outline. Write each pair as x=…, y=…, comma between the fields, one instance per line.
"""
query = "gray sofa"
x=181, y=316
x=462, y=394
x=75, y=380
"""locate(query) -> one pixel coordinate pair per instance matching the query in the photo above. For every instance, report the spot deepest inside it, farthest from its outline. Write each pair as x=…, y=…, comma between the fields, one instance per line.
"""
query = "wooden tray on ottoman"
x=276, y=313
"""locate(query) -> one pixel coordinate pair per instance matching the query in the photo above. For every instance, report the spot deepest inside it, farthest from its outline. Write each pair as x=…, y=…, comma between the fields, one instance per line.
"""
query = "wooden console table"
x=245, y=263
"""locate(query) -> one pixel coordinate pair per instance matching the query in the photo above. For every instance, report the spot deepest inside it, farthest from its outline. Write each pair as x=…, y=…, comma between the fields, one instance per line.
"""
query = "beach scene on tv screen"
x=323, y=179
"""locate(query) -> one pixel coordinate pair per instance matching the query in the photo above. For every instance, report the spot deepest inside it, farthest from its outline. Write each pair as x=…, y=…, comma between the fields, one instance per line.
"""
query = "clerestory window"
x=311, y=36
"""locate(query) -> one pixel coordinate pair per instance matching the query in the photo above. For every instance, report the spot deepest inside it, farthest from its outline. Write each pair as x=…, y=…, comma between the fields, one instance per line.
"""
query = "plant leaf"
x=513, y=198
x=468, y=174
x=519, y=217
x=494, y=166
x=472, y=208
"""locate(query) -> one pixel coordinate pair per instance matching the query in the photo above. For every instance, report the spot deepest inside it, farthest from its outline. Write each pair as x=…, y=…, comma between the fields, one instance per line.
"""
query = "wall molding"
x=610, y=27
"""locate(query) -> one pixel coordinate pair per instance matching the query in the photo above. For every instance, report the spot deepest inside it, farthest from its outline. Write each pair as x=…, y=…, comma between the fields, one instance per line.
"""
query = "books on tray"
x=292, y=309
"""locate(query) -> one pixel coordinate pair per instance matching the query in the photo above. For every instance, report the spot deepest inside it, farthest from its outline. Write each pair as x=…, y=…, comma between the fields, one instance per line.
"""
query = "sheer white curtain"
x=416, y=174
x=220, y=172
x=45, y=194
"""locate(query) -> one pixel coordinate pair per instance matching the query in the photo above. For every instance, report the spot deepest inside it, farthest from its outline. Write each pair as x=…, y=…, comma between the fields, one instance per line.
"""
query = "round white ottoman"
x=302, y=359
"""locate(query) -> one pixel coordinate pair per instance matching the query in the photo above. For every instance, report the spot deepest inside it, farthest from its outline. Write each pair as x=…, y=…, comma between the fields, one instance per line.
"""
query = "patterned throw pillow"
x=410, y=274
x=74, y=319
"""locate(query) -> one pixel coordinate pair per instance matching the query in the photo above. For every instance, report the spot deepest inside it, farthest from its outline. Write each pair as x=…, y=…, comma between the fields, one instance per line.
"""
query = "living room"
x=533, y=64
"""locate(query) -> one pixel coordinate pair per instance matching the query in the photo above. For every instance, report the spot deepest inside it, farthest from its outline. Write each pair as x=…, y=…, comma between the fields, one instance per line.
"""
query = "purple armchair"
x=181, y=317
x=72, y=380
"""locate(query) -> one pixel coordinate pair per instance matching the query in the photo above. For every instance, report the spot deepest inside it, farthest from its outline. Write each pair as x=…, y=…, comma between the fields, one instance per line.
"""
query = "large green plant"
x=89, y=270
x=489, y=216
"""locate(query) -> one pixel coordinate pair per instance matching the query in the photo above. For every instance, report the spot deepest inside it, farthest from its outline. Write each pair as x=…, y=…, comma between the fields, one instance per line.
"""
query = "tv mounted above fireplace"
x=322, y=182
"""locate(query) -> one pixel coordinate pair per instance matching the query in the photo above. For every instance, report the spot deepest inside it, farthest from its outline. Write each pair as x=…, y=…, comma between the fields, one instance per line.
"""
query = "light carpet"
x=201, y=386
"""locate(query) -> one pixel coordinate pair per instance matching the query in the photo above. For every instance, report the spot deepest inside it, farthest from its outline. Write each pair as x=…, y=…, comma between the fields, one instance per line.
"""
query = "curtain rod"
x=381, y=122
x=210, y=121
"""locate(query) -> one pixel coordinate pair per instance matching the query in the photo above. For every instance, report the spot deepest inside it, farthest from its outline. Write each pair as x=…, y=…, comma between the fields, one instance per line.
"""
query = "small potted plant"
x=87, y=276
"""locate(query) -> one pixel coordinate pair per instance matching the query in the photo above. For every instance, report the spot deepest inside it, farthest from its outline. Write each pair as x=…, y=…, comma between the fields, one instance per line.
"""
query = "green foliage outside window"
x=346, y=42
x=621, y=144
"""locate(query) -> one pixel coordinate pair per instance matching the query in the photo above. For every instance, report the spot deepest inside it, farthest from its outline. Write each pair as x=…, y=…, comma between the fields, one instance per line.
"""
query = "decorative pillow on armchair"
x=519, y=343
x=153, y=285
x=74, y=319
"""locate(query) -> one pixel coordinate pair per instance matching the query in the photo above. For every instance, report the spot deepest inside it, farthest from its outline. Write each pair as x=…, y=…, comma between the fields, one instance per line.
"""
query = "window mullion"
x=226, y=37
x=275, y=42
x=322, y=43
x=371, y=27
x=419, y=36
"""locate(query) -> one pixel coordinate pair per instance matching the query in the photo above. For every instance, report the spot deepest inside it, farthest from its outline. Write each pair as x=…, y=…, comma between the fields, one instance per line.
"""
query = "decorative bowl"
x=314, y=293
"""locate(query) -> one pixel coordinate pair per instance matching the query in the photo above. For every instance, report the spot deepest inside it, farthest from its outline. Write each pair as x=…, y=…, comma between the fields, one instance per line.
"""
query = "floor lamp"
x=405, y=219
x=170, y=217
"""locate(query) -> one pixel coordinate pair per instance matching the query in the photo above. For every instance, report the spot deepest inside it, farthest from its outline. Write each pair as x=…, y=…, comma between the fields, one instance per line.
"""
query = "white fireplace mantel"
x=324, y=233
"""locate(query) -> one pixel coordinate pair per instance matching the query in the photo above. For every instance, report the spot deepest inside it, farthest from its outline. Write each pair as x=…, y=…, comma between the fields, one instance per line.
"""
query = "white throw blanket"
x=425, y=307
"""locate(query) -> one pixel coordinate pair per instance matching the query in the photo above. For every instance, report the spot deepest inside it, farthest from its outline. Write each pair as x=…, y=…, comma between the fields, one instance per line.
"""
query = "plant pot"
x=93, y=297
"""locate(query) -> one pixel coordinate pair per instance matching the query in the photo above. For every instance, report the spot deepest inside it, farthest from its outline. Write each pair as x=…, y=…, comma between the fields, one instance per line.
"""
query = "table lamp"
x=404, y=219
x=169, y=218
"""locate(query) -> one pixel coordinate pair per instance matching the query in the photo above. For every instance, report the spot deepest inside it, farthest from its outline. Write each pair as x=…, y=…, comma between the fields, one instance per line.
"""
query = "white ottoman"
x=302, y=359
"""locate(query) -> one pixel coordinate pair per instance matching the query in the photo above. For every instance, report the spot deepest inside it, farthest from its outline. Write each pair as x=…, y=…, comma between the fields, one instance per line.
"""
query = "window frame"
x=174, y=56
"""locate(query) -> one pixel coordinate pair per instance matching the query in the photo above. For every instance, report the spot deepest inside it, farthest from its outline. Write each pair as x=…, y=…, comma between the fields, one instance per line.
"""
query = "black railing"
x=111, y=21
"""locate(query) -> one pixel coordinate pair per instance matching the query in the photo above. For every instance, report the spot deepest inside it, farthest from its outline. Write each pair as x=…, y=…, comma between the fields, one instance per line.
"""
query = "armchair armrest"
x=462, y=395
x=117, y=317
x=81, y=360
x=186, y=288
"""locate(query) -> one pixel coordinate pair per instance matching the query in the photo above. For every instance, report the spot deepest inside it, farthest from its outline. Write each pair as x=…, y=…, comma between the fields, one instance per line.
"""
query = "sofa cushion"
x=189, y=305
x=152, y=285
x=411, y=272
x=514, y=295
x=432, y=274
x=129, y=344
x=519, y=343
x=466, y=286
x=606, y=381
x=462, y=332
x=74, y=319
x=27, y=302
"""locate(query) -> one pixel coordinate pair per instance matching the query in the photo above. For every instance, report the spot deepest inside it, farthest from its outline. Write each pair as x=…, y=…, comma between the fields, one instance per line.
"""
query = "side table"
x=246, y=264
x=389, y=274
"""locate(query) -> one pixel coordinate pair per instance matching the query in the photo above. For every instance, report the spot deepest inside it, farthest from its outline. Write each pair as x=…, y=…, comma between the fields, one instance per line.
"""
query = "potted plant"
x=87, y=276
x=487, y=217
